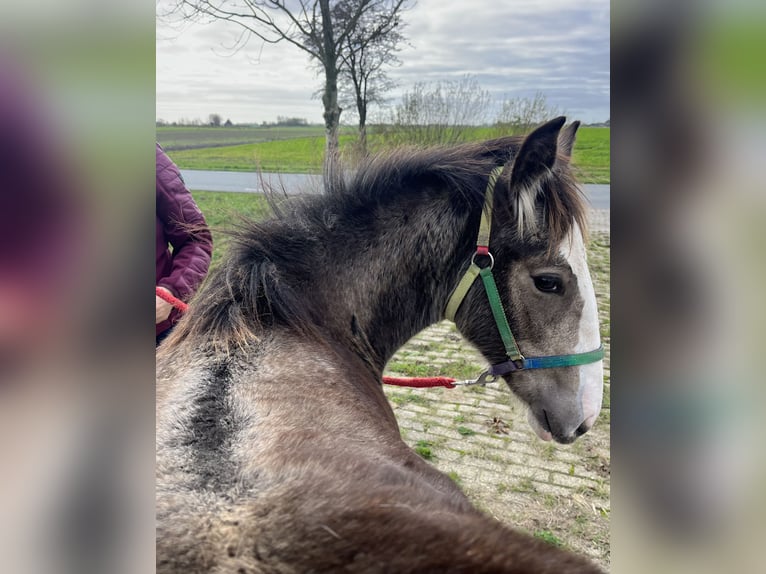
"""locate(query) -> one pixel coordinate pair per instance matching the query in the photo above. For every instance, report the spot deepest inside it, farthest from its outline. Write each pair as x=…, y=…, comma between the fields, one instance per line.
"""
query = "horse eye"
x=549, y=284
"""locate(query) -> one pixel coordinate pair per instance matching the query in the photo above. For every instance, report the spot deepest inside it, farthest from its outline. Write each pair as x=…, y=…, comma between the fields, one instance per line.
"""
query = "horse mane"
x=255, y=286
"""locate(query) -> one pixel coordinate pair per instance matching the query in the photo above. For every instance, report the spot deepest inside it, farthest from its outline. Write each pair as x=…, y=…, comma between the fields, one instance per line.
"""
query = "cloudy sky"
x=514, y=48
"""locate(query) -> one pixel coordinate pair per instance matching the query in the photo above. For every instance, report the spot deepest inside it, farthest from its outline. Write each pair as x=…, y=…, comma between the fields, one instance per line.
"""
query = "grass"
x=524, y=486
x=591, y=155
x=410, y=397
x=548, y=450
x=178, y=138
x=464, y=431
x=300, y=155
x=423, y=448
x=411, y=369
x=290, y=150
x=549, y=537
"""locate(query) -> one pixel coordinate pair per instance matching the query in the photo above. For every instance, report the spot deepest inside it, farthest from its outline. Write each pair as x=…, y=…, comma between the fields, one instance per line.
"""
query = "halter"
x=516, y=361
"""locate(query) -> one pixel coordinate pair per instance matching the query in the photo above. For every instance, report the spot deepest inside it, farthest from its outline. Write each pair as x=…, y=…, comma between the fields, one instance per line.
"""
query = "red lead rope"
x=177, y=303
x=420, y=382
x=414, y=382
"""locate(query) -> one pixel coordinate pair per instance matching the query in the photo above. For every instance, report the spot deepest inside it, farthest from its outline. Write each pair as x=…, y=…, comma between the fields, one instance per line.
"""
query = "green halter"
x=516, y=361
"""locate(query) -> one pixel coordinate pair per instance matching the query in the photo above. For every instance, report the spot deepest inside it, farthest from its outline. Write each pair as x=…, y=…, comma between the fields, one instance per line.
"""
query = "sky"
x=513, y=48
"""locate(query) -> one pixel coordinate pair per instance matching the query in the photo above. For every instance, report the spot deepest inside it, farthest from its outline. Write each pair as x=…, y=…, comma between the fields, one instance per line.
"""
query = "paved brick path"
x=480, y=436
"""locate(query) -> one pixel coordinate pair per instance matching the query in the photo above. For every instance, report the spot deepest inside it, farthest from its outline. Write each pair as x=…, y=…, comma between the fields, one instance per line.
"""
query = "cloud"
x=513, y=48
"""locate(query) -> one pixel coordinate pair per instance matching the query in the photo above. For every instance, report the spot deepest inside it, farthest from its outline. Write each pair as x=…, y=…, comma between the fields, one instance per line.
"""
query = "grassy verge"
x=591, y=155
x=305, y=154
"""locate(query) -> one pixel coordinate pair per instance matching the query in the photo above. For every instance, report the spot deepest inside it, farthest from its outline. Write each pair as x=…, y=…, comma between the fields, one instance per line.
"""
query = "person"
x=180, y=225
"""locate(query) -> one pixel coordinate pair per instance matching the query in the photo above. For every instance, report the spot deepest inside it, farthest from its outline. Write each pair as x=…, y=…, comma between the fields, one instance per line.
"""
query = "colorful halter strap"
x=516, y=361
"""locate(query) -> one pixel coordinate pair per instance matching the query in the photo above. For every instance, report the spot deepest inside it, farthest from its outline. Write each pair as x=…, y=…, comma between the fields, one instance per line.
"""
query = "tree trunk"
x=331, y=121
x=362, y=109
x=330, y=97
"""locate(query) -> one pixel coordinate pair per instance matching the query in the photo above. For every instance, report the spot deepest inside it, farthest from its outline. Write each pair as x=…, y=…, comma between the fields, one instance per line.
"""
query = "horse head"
x=539, y=266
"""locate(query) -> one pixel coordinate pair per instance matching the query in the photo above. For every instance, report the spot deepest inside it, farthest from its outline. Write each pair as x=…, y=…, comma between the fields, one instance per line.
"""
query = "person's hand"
x=162, y=307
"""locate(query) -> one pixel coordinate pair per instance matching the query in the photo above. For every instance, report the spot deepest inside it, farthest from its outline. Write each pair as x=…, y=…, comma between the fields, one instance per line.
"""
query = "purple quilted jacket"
x=180, y=224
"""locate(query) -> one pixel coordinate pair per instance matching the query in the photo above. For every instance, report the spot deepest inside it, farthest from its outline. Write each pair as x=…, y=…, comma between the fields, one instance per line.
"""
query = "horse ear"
x=536, y=156
x=533, y=162
x=567, y=138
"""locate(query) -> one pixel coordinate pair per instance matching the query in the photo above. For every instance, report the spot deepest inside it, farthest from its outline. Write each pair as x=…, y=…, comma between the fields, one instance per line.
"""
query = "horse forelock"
x=549, y=212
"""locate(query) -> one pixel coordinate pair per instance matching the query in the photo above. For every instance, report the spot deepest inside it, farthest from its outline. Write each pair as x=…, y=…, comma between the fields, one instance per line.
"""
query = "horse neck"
x=391, y=279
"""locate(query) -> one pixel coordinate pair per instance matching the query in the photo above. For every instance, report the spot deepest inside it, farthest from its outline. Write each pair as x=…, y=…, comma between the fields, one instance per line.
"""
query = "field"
x=301, y=149
x=177, y=138
x=479, y=435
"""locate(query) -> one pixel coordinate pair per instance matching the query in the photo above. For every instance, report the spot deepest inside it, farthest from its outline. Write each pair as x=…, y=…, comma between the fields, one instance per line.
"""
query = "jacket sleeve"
x=185, y=229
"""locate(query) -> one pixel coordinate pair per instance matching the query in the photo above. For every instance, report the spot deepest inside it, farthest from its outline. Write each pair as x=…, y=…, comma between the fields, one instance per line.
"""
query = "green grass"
x=465, y=431
x=423, y=448
x=290, y=152
x=591, y=155
x=188, y=137
x=410, y=397
x=548, y=537
x=301, y=155
x=410, y=369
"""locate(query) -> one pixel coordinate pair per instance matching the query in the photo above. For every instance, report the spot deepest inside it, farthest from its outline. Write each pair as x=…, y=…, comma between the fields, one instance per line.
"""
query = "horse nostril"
x=582, y=429
x=547, y=425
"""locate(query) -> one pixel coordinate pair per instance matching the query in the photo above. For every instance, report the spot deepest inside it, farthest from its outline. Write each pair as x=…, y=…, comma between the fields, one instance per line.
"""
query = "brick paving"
x=481, y=438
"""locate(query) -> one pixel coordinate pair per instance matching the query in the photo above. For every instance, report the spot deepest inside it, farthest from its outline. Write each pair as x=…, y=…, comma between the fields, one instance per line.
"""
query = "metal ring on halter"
x=488, y=254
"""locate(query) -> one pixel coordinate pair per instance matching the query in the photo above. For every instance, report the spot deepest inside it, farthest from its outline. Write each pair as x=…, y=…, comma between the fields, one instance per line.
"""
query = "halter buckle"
x=508, y=366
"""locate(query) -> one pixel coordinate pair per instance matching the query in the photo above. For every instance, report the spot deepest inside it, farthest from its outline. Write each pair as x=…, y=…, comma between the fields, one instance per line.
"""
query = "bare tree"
x=306, y=24
x=215, y=120
x=369, y=49
x=438, y=113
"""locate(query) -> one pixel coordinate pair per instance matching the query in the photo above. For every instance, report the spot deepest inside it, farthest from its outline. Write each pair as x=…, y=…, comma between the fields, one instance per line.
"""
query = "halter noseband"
x=516, y=361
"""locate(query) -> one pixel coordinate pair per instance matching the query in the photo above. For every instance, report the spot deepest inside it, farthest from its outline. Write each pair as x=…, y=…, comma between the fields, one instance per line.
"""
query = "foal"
x=277, y=450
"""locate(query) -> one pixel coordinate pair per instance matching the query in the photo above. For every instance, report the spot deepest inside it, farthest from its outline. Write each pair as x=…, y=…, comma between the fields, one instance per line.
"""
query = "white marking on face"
x=591, y=387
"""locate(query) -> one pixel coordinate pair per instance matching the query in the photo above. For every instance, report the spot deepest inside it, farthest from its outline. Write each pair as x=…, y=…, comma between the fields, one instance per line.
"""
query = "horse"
x=277, y=450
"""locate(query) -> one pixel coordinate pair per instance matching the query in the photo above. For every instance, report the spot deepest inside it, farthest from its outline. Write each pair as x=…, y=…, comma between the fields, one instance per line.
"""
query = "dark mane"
x=463, y=168
x=266, y=277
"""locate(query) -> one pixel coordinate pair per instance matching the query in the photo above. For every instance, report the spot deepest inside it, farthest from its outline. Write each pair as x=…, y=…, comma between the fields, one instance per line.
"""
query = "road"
x=246, y=182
